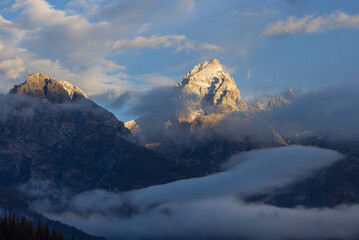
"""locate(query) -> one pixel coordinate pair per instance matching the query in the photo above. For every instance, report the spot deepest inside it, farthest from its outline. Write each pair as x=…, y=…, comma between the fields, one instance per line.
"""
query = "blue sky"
x=136, y=45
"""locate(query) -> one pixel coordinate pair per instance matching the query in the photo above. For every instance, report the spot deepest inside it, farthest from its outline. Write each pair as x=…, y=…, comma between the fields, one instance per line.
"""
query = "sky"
x=112, y=47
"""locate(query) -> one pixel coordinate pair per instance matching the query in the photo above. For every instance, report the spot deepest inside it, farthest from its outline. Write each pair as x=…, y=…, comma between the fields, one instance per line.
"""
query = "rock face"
x=286, y=98
x=208, y=89
x=41, y=86
x=209, y=123
x=50, y=130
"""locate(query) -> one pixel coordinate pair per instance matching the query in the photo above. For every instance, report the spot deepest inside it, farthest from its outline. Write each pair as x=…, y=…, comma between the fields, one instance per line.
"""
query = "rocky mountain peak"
x=206, y=89
x=285, y=98
x=41, y=86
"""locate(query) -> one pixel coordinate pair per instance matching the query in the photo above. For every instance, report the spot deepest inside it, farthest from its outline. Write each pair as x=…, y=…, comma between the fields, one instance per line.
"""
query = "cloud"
x=76, y=43
x=153, y=42
x=211, y=206
x=223, y=218
x=157, y=100
x=330, y=112
x=249, y=74
x=129, y=10
x=311, y=24
x=207, y=46
x=264, y=12
x=178, y=42
x=156, y=80
x=12, y=67
x=251, y=172
x=189, y=4
x=10, y=33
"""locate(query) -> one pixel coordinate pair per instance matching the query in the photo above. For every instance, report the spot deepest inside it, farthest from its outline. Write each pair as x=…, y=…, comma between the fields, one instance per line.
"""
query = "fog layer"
x=211, y=206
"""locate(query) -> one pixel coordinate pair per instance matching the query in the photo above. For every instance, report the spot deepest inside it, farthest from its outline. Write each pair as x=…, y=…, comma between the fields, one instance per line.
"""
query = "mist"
x=223, y=218
x=211, y=207
x=331, y=112
x=138, y=104
x=20, y=106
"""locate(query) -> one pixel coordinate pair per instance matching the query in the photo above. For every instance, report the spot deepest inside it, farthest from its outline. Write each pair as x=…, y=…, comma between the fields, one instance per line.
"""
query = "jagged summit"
x=285, y=98
x=41, y=86
x=206, y=89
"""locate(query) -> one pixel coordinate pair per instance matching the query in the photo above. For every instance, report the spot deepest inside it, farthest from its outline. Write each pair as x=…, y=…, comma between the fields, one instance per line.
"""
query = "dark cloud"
x=331, y=112
x=16, y=106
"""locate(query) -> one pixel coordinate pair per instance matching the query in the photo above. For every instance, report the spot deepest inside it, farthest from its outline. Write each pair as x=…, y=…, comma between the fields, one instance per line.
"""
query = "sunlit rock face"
x=208, y=89
x=41, y=86
x=208, y=122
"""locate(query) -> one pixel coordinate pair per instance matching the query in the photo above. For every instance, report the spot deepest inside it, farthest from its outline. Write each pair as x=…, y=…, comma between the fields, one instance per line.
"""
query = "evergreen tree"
x=61, y=237
x=30, y=231
x=40, y=232
x=47, y=232
x=12, y=228
x=54, y=235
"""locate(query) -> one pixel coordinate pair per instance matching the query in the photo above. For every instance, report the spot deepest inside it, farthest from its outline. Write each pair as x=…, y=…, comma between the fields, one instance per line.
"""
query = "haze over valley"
x=184, y=119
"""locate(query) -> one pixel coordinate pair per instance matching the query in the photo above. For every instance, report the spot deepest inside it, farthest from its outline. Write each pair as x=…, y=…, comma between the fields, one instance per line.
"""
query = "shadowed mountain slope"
x=51, y=131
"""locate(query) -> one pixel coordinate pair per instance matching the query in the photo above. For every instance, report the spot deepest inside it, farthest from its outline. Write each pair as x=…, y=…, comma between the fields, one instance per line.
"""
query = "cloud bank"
x=210, y=207
x=82, y=42
x=330, y=112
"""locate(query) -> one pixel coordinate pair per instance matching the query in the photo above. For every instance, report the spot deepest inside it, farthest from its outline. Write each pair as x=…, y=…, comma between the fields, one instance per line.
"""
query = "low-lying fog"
x=208, y=207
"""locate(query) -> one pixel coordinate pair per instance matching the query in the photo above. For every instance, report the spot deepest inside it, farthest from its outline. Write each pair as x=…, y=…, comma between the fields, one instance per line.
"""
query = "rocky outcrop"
x=285, y=98
x=208, y=89
x=41, y=86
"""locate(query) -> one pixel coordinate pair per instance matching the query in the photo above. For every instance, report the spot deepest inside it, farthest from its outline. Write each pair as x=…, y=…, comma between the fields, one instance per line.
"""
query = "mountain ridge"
x=41, y=86
x=73, y=142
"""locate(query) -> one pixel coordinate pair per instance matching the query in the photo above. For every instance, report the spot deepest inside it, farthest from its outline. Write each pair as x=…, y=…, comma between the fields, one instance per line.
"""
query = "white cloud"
x=157, y=80
x=207, y=46
x=12, y=67
x=211, y=208
x=178, y=42
x=68, y=44
x=249, y=74
x=222, y=218
x=41, y=12
x=10, y=33
x=154, y=41
x=311, y=24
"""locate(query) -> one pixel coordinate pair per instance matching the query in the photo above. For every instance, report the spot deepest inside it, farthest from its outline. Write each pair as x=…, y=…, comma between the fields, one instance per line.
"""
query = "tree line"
x=12, y=228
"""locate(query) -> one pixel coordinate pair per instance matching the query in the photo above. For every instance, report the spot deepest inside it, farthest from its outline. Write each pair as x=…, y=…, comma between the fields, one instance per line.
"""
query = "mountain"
x=208, y=121
x=50, y=130
x=40, y=86
x=285, y=98
x=205, y=96
x=208, y=89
